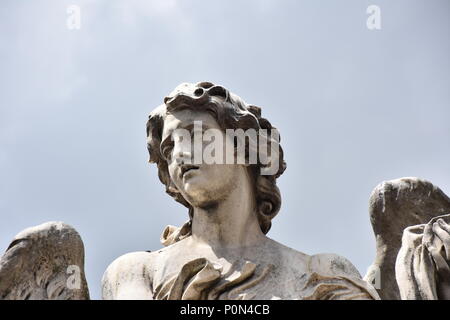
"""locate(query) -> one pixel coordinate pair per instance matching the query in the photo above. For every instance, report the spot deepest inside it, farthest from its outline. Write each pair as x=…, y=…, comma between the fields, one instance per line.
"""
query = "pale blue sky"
x=354, y=107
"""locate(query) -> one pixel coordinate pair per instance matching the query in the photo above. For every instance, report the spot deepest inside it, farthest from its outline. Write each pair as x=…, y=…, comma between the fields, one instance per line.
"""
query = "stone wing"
x=394, y=206
x=45, y=262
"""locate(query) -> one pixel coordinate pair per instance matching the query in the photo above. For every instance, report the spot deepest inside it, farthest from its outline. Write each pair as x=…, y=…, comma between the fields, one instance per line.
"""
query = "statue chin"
x=208, y=185
x=199, y=195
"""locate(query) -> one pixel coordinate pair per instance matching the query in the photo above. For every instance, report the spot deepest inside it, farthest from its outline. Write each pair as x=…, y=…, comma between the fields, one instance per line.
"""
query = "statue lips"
x=188, y=168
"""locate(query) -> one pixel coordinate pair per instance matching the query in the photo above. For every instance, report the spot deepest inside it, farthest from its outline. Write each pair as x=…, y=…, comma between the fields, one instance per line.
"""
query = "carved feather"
x=45, y=262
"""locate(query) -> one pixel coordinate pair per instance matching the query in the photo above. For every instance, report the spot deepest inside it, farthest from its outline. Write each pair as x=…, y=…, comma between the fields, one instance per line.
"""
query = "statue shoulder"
x=129, y=277
x=333, y=277
x=333, y=264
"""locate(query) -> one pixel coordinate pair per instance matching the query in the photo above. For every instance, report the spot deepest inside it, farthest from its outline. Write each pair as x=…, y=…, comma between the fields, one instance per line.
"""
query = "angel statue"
x=218, y=156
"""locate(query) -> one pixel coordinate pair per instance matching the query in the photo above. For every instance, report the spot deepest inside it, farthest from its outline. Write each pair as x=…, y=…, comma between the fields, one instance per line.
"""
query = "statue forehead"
x=186, y=117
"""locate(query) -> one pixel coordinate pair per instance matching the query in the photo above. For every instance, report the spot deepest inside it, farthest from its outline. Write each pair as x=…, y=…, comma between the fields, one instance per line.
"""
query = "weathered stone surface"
x=394, y=206
x=223, y=251
x=422, y=267
x=45, y=262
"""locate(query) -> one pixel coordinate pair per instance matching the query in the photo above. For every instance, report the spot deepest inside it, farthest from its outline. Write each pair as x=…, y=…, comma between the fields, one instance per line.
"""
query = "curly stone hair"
x=231, y=112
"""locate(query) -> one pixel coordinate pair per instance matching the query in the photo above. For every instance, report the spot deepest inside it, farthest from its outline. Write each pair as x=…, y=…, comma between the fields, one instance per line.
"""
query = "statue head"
x=194, y=183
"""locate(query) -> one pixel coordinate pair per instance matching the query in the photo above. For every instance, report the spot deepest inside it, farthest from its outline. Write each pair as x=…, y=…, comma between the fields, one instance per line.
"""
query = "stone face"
x=45, y=262
x=394, y=206
x=223, y=252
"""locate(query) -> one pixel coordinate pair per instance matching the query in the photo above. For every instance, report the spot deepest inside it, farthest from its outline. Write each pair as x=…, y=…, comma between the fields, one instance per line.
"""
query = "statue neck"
x=228, y=223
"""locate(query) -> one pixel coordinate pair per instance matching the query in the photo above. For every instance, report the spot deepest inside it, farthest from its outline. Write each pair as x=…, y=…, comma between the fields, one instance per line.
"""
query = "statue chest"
x=209, y=278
